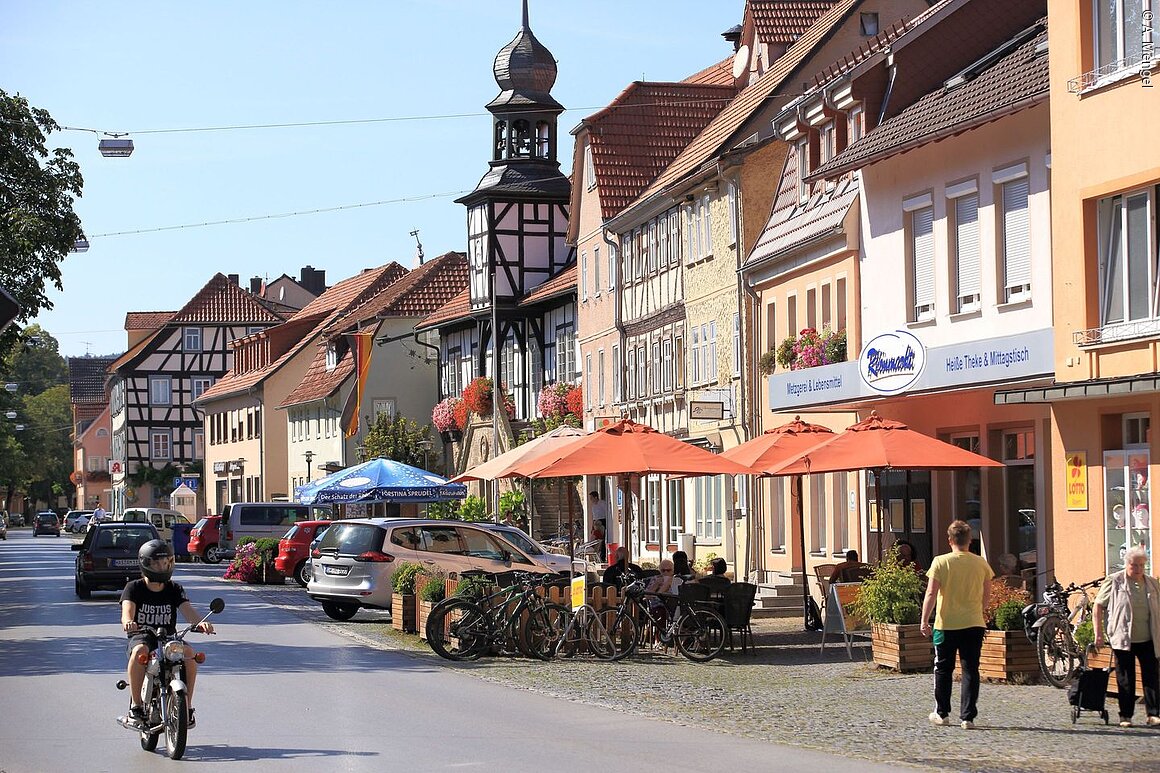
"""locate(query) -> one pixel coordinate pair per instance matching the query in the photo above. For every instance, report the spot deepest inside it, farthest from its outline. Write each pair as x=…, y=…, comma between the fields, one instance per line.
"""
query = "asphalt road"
x=280, y=693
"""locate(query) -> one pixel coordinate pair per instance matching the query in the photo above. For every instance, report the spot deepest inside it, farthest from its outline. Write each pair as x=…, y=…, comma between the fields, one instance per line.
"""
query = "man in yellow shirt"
x=960, y=582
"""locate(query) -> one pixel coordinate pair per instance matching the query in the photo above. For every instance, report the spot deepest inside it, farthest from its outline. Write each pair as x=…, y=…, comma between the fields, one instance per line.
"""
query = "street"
x=281, y=693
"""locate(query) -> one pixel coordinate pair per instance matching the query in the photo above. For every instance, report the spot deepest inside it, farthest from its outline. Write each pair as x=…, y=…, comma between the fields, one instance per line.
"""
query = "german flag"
x=361, y=346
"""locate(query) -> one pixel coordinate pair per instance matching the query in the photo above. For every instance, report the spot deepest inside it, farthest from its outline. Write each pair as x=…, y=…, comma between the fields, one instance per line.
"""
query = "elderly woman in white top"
x=1131, y=600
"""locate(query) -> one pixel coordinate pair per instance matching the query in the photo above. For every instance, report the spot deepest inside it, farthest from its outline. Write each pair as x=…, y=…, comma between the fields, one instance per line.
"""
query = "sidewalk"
x=789, y=693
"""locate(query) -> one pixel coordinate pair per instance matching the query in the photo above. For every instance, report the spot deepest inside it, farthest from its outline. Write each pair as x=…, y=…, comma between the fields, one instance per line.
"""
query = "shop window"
x=1022, y=519
x=1128, y=500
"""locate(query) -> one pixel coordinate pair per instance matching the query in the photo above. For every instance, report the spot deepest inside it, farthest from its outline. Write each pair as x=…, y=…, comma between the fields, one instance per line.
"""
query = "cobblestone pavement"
x=789, y=693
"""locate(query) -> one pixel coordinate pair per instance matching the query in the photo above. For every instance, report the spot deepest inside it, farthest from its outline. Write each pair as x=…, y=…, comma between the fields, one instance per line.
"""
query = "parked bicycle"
x=516, y=618
x=1051, y=625
x=697, y=629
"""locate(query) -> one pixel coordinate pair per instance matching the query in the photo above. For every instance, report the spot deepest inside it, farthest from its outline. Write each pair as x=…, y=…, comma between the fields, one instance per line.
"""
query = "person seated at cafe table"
x=907, y=556
x=614, y=574
x=850, y=570
x=716, y=580
x=681, y=566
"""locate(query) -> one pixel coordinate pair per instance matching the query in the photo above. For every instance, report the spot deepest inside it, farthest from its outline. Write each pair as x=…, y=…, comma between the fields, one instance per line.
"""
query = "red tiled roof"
x=456, y=308
x=284, y=340
x=1015, y=81
x=720, y=74
x=356, y=290
x=86, y=379
x=421, y=292
x=147, y=320
x=561, y=284
x=222, y=302
x=642, y=131
x=710, y=141
x=319, y=383
x=784, y=21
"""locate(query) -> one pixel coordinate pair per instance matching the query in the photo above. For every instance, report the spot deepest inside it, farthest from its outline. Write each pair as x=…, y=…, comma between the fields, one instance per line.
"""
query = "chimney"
x=256, y=285
x=235, y=279
x=313, y=279
x=733, y=35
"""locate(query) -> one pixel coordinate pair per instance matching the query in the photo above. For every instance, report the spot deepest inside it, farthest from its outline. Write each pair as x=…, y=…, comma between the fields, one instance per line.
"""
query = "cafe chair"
x=822, y=572
x=740, y=598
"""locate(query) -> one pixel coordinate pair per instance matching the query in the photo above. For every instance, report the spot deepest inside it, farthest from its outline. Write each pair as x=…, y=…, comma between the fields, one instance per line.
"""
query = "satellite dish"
x=740, y=62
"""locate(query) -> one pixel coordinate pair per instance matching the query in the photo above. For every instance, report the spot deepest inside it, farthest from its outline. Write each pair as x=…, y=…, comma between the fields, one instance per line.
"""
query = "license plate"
x=125, y=562
x=338, y=571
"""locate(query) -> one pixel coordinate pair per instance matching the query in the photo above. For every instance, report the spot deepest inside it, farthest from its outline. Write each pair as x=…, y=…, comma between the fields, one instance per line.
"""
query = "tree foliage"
x=38, y=226
x=399, y=438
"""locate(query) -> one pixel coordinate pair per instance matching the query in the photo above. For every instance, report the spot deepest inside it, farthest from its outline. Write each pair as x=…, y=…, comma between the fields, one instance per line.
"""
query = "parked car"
x=107, y=556
x=203, y=539
x=533, y=549
x=354, y=561
x=161, y=519
x=46, y=523
x=3, y=528
x=70, y=519
x=293, y=557
x=262, y=519
x=16, y=519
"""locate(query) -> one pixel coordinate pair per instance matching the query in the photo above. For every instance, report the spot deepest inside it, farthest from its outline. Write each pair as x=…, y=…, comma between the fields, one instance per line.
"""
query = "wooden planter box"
x=271, y=576
x=901, y=647
x=403, y=612
x=423, y=609
x=1103, y=658
x=1007, y=656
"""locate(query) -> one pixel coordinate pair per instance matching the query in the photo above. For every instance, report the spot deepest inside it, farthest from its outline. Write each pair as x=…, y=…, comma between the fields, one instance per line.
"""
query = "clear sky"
x=140, y=67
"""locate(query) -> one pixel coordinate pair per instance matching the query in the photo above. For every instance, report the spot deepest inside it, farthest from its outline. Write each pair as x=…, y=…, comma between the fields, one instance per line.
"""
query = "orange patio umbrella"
x=626, y=448
x=880, y=444
x=773, y=448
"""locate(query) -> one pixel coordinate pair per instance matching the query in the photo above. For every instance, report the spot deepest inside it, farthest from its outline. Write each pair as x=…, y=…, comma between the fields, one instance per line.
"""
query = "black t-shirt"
x=156, y=609
x=614, y=574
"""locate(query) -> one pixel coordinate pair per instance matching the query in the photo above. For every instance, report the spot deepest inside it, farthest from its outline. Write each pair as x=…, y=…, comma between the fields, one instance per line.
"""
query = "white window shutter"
x=922, y=253
x=967, y=245
x=1016, y=235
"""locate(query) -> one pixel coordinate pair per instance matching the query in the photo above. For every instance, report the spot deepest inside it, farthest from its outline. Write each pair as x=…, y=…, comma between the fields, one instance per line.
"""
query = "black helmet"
x=156, y=560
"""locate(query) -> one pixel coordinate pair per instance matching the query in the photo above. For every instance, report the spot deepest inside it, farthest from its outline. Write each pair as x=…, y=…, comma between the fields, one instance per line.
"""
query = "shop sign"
x=1077, y=480
x=891, y=362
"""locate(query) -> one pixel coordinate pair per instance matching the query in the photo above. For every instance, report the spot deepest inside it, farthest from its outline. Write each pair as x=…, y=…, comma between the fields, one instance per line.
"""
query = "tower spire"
x=526, y=25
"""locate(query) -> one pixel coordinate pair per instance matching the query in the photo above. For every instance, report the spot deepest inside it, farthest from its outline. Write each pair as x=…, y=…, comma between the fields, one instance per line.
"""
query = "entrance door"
x=906, y=512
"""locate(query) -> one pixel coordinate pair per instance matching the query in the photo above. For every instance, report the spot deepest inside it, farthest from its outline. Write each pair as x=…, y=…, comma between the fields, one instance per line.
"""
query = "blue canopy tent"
x=379, y=480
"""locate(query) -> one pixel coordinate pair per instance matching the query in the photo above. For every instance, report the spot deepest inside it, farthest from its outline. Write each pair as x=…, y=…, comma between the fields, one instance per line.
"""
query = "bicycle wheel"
x=540, y=629
x=599, y=640
x=458, y=629
x=622, y=630
x=1057, y=659
x=701, y=635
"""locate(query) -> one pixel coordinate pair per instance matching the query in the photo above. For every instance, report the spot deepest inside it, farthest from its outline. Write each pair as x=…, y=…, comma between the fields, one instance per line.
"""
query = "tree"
x=399, y=438
x=47, y=440
x=38, y=226
x=34, y=362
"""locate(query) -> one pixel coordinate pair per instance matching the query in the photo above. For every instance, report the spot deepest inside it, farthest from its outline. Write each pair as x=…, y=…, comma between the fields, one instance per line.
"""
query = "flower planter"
x=1008, y=656
x=901, y=647
x=423, y=610
x=403, y=612
x=271, y=576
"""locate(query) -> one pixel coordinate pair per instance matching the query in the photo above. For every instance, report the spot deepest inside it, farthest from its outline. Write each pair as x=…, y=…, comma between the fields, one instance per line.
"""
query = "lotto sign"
x=1077, y=480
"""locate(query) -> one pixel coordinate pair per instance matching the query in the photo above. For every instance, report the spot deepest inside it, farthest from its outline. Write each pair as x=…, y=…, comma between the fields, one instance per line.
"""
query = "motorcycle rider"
x=154, y=600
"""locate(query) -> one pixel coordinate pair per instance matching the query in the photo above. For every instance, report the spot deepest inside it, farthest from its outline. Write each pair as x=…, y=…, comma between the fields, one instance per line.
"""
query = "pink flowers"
x=810, y=349
x=246, y=565
x=443, y=416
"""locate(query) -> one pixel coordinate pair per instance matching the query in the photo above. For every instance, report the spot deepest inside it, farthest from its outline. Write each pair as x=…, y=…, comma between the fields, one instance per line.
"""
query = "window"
x=641, y=371
x=920, y=227
x=653, y=486
x=1137, y=429
x=736, y=343
x=611, y=267
x=1118, y=26
x=589, y=169
x=676, y=510
x=691, y=244
x=827, y=305
x=696, y=375
x=854, y=129
x=386, y=405
x=840, y=505
x=160, y=390
x=1016, y=239
x=199, y=444
x=331, y=357
x=583, y=275
x=868, y=23
x=600, y=377
x=812, y=307
x=818, y=513
x=617, y=394
x=200, y=384
x=1128, y=251
x=674, y=236
x=566, y=352
x=588, y=382
x=667, y=357
x=192, y=337
x=656, y=367
x=803, y=167
x=771, y=326
x=596, y=270
x=709, y=505
x=965, y=258
x=160, y=442
x=631, y=373
x=626, y=255
x=652, y=247
x=791, y=315
x=734, y=226
x=707, y=230
x=840, y=310
x=679, y=361
x=777, y=513
x=829, y=141
x=640, y=248
x=662, y=232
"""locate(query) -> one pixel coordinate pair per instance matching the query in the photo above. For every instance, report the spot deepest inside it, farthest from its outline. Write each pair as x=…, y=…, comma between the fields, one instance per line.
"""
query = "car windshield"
x=122, y=540
x=521, y=541
x=352, y=538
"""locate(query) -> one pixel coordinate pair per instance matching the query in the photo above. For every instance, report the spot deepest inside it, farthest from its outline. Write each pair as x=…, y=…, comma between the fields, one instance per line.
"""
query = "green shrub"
x=702, y=564
x=434, y=589
x=245, y=541
x=472, y=587
x=1009, y=616
x=892, y=590
x=473, y=509
x=403, y=580
x=267, y=548
x=1084, y=634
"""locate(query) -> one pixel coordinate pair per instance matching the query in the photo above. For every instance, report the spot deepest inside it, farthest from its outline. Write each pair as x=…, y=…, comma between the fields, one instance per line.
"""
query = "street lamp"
x=426, y=446
x=10, y=415
x=11, y=387
x=309, y=458
x=81, y=245
x=115, y=147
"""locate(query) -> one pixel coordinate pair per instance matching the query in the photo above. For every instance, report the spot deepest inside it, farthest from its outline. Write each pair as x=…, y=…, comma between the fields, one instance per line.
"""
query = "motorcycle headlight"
x=174, y=651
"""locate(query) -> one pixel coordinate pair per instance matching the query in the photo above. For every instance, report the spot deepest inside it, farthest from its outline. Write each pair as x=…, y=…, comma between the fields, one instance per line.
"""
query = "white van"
x=161, y=519
x=263, y=519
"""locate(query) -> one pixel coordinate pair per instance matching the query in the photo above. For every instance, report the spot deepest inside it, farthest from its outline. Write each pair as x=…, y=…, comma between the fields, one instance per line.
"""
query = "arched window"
x=521, y=139
x=501, y=140
x=543, y=139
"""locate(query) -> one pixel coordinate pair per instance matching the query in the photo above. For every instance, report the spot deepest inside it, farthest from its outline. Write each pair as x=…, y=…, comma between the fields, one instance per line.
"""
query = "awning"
x=1080, y=390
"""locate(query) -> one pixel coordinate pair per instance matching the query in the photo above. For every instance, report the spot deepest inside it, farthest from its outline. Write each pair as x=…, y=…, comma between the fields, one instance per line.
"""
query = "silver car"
x=533, y=549
x=354, y=562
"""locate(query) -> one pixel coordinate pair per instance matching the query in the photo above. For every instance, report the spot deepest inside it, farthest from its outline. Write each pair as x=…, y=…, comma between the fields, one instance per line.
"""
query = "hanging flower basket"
x=445, y=415
x=477, y=396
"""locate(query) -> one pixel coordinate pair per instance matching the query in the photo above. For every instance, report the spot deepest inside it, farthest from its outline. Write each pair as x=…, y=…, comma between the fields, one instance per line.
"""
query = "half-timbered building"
x=155, y=425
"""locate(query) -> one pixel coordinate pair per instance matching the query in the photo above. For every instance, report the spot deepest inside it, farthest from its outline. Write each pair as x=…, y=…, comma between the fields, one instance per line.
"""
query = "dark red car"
x=294, y=550
x=203, y=539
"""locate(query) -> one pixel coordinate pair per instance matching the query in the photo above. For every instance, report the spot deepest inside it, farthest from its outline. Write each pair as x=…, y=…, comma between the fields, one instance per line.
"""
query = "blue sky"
x=140, y=67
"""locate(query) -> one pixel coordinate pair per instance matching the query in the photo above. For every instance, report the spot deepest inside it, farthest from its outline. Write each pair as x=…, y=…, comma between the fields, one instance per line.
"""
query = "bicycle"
x=460, y=628
x=1051, y=626
x=698, y=630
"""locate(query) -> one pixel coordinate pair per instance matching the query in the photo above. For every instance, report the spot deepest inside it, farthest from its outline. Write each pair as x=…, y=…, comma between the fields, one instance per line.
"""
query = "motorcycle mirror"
x=217, y=605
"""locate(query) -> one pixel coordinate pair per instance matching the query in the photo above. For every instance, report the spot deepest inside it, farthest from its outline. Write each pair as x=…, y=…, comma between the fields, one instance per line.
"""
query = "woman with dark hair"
x=907, y=556
x=681, y=566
